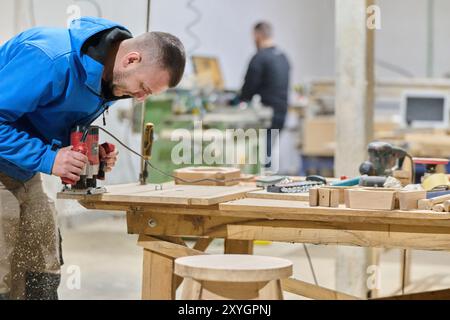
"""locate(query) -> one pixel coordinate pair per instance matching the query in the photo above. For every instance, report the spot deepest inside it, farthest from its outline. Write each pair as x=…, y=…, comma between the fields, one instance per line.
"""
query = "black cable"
x=190, y=27
x=159, y=170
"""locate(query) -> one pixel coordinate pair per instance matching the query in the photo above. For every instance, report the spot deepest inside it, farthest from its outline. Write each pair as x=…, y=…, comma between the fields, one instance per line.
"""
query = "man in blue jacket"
x=51, y=80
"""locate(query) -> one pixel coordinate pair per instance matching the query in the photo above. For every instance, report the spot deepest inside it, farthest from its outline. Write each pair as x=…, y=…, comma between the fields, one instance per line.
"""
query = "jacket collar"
x=81, y=30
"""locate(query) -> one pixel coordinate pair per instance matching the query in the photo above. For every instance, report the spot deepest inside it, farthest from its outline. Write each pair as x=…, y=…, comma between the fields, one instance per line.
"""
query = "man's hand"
x=109, y=158
x=69, y=164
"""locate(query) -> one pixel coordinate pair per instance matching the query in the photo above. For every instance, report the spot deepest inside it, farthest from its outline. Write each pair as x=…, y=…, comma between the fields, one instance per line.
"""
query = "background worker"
x=268, y=76
x=51, y=80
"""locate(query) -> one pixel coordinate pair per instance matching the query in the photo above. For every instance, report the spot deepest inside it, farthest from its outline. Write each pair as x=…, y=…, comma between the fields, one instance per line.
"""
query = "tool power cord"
x=159, y=170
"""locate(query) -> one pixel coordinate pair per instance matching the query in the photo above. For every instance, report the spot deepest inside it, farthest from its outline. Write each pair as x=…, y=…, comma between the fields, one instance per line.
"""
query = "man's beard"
x=108, y=87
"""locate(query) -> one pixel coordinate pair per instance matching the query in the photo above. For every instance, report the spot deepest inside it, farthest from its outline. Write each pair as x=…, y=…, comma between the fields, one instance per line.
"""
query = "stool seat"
x=233, y=268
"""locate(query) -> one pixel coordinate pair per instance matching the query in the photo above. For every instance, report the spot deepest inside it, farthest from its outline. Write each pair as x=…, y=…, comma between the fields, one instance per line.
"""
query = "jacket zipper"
x=95, y=115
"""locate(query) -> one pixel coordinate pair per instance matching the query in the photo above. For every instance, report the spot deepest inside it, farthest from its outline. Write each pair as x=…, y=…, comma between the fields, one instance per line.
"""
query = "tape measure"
x=436, y=181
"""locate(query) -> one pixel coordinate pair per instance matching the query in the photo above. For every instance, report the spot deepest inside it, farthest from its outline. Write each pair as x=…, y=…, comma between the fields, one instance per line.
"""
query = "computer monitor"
x=208, y=72
x=425, y=109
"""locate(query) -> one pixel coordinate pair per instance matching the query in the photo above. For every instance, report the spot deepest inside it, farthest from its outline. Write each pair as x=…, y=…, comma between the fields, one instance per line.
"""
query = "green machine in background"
x=159, y=112
x=175, y=110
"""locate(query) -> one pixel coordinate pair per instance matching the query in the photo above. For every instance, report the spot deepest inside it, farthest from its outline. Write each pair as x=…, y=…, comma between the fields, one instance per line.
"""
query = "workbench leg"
x=157, y=277
x=238, y=246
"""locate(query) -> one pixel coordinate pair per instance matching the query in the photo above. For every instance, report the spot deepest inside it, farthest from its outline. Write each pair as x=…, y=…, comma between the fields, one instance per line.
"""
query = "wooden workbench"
x=162, y=218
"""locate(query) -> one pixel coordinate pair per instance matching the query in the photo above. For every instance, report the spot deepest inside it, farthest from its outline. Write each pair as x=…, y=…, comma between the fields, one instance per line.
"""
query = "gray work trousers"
x=30, y=243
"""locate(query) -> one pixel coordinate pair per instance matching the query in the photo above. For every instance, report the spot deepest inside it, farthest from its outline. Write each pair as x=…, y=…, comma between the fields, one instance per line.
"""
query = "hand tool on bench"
x=298, y=187
x=147, y=143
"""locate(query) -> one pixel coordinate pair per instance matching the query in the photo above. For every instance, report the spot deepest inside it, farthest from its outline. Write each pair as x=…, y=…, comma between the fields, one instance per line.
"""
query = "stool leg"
x=192, y=289
x=271, y=291
x=221, y=290
x=157, y=277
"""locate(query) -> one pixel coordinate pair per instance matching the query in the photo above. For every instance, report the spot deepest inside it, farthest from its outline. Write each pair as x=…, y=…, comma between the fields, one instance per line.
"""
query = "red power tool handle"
x=108, y=147
x=82, y=148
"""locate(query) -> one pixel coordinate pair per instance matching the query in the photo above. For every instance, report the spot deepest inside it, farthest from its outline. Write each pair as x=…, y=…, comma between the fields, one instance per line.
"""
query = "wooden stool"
x=232, y=276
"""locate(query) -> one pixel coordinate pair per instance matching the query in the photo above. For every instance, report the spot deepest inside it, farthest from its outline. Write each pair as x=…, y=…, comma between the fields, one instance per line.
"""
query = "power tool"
x=85, y=140
x=384, y=159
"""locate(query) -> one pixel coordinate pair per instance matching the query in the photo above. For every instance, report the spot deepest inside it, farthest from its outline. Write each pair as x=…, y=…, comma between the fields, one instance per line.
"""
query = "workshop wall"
x=304, y=29
x=403, y=40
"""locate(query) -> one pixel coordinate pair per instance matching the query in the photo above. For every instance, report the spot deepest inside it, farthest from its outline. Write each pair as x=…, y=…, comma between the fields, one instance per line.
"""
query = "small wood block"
x=324, y=197
x=313, y=197
x=221, y=176
x=372, y=198
x=334, y=198
x=447, y=205
x=347, y=198
x=409, y=199
x=438, y=207
x=424, y=204
x=341, y=191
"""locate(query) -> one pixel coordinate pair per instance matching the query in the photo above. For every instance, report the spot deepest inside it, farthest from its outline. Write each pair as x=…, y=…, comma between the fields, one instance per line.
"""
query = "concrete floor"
x=109, y=264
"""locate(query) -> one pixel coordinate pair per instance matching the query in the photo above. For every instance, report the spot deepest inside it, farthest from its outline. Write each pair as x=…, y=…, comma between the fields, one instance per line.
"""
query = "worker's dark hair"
x=167, y=51
x=264, y=28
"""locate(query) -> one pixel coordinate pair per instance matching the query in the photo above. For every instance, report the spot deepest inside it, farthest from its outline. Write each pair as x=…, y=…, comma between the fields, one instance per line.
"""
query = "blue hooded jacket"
x=47, y=86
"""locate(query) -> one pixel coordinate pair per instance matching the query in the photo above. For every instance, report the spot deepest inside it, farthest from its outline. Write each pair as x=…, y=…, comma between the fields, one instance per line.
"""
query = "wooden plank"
x=157, y=277
x=345, y=233
x=282, y=210
x=296, y=210
x=210, y=197
x=388, y=237
x=429, y=295
x=171, y=194
x=238, y=246
x=202, y=244
x=263, y=194
x=164, y=248
x=128, y=188
x=312, y=291
x=179, y=225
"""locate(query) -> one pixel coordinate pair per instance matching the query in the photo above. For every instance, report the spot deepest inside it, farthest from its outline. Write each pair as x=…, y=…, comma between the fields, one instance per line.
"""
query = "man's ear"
x=131, y=58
